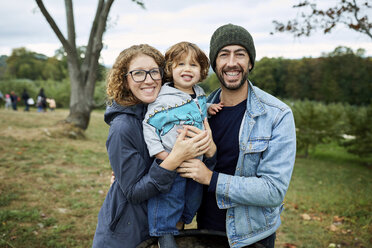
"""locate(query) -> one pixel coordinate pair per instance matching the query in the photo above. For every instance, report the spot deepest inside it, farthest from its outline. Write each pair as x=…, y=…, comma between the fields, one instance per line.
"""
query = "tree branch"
x=93, y=31
x=96, y=43
x=70, y=24
x=54, y=26
x=345, y=12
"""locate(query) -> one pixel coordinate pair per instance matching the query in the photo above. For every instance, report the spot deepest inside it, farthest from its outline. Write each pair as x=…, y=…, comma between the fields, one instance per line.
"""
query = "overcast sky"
x=165, y=22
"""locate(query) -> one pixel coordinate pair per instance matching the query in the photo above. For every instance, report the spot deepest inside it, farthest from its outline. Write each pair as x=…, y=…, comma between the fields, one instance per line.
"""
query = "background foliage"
x=328, y=95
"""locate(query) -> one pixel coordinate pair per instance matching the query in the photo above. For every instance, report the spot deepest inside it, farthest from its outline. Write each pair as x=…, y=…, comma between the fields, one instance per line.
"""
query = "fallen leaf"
x=305, y=217
x=338, y=218
x=62, y=210
x=333, y=228
x=289, y=245
x=317, y=218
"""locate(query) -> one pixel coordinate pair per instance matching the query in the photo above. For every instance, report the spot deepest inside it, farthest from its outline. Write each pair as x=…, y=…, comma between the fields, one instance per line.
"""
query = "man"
x=256, y=146
x=14, y=100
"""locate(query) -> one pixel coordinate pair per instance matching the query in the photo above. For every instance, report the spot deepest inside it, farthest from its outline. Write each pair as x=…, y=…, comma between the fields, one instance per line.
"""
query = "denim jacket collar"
x=254, y=105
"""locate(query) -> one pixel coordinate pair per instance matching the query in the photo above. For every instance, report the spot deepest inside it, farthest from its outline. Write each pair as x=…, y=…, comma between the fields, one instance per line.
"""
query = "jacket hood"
x=115, y=109
x=166, y=89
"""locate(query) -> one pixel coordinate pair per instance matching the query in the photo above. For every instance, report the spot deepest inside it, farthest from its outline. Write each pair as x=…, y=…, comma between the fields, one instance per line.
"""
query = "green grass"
x=330, y=183
x=52, y=188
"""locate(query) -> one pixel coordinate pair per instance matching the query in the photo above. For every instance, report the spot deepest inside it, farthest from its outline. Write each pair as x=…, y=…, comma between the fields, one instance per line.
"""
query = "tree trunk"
x=83, y=75
x=80, y=104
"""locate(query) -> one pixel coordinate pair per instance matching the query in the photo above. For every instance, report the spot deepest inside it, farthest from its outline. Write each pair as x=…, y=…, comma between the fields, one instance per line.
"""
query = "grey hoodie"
x=172, y=109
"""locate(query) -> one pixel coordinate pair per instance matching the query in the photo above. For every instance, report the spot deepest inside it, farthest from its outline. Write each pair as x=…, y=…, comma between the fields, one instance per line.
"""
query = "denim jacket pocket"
x=252, y=156
x=271, y=215
x=256, y=146
x=249, y=220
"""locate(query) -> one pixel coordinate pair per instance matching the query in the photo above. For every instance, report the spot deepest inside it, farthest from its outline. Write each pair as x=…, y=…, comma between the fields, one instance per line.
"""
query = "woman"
x=41, y=101
x=25, y=98
x=134, y=81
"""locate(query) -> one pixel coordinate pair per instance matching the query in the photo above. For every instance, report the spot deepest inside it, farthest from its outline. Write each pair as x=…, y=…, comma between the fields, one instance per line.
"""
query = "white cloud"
x=165, y=22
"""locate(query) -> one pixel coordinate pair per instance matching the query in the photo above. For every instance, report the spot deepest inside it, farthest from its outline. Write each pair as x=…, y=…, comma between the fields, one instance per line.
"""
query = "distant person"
x=8, y=101
x=41, y=103
x=2, y=97
x=52, y=104
x=25, y=97
x=14, y=100
x=180, y=102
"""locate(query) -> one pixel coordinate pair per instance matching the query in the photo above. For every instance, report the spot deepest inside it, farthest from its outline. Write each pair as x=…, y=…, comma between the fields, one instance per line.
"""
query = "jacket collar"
x=115, y=109
x=255, y=106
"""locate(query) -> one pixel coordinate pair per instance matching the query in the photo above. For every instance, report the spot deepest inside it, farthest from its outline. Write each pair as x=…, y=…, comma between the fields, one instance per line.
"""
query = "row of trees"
x=316, y=122
x=340, y=76
x=26, y=64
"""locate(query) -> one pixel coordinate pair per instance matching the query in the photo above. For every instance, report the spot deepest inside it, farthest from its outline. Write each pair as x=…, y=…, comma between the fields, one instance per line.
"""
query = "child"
x=180, y=102
x=8, y=101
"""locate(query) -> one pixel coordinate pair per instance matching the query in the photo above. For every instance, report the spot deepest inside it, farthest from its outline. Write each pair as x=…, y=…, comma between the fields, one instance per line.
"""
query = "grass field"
x=51, y=188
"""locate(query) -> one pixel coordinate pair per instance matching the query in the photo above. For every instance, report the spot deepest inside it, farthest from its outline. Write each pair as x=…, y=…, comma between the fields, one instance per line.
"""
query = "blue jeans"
x=179, y=204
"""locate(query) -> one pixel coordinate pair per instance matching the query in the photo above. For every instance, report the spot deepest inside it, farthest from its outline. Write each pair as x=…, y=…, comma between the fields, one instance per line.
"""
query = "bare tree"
x=83, y=74
x=347, y=12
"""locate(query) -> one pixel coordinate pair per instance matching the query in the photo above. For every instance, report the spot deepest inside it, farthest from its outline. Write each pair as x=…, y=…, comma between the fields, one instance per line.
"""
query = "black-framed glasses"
x=139, y=76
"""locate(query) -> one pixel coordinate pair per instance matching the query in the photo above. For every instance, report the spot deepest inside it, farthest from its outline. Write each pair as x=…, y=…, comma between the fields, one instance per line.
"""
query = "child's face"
x=186, y=73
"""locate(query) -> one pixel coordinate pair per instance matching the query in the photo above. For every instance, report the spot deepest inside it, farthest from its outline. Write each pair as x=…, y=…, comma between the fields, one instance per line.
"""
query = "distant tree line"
x=26, y=64
x=340, y=76
x=330, y=96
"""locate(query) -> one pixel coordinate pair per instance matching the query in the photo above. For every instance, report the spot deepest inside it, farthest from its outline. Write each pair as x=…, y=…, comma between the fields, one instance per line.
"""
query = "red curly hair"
x=117, y=88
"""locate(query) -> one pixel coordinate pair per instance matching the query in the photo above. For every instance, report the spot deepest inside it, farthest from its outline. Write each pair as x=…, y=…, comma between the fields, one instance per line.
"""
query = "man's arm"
x=269, y=186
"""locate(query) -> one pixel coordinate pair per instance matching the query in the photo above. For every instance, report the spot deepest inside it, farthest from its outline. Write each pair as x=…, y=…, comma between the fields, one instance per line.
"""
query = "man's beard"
x=233, y=87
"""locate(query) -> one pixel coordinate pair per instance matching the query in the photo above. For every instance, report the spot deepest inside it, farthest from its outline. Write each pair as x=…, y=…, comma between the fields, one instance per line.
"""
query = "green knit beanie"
x=230, y=34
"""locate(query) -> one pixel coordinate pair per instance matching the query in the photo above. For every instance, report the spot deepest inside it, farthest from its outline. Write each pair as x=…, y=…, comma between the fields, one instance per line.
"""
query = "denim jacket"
x=253, y=196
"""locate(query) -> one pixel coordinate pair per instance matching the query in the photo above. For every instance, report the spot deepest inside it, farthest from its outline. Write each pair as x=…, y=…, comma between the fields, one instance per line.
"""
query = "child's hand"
x=212, y=146
x=112, y=178
x=215, y=108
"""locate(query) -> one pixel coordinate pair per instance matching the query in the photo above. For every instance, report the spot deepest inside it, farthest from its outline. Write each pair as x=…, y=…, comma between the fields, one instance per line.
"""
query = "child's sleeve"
x=151, y=135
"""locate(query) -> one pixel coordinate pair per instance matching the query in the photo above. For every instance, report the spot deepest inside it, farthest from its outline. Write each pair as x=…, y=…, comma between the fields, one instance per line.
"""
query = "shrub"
x=359, y=129
x=317, y=123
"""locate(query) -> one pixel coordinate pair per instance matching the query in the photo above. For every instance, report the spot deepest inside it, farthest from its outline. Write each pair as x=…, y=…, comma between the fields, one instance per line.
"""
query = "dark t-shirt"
x=225, y=127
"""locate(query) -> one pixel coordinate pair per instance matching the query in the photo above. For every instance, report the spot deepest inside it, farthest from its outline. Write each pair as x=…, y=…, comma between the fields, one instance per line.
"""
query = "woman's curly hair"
x=175, y=53
x=117, y=84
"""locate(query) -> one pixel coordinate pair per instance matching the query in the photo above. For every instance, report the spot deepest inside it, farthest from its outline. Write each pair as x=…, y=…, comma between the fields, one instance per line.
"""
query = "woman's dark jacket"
x=122, y=220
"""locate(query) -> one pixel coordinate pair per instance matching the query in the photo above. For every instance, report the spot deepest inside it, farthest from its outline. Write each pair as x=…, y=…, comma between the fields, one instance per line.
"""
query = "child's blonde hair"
x=175, y=53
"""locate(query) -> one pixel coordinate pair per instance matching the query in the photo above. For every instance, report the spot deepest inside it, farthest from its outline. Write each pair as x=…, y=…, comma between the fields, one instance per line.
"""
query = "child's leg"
x=165, y=210
x=193, y=198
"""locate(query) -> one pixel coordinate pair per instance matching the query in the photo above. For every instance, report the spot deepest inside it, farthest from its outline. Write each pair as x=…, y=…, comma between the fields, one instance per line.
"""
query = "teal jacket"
x=253, y=196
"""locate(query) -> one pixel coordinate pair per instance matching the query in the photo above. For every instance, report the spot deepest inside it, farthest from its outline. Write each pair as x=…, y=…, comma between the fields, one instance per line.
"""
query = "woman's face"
x=147, y=90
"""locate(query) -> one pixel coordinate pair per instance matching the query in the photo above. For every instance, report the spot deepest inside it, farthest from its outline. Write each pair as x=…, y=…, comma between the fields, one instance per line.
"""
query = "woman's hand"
x=209, y=147
x=187, y=147
x=191, y=142
x=196, y=170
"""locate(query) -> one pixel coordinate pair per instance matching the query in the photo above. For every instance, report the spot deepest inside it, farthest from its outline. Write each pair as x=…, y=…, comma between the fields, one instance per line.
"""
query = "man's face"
x=232, y=66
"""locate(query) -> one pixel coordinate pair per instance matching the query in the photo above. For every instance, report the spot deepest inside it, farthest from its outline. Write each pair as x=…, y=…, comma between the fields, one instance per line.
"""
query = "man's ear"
x=249, y=65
